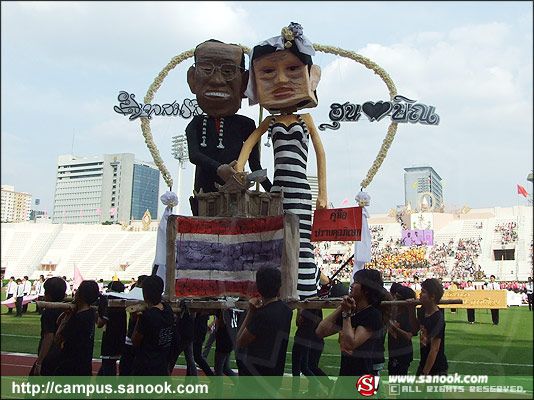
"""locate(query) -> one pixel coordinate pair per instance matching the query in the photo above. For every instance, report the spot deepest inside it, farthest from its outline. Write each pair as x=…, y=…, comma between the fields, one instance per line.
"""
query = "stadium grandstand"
x=469, y=244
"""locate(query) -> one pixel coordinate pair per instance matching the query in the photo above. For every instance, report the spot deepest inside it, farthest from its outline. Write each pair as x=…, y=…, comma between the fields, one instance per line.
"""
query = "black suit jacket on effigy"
x=237, y=129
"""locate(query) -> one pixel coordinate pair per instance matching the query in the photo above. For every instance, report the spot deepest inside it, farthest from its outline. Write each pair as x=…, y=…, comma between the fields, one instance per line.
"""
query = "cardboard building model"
x=235, y=199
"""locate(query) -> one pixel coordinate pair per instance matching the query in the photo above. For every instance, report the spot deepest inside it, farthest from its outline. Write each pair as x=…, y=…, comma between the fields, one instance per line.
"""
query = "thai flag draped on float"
x=222, y=256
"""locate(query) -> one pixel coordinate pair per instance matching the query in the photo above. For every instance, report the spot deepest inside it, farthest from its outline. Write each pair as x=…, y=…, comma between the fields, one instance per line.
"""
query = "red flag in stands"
x=522, y=190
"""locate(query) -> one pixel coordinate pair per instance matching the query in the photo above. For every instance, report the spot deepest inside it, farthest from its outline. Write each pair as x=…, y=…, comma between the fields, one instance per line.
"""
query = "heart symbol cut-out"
x=376, y=111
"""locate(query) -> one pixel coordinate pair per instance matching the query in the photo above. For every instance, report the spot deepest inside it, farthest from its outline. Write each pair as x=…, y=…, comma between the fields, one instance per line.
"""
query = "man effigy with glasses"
x=218, y=79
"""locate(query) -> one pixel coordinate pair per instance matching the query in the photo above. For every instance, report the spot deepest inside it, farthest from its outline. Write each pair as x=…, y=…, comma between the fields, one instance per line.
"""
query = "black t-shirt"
x=48, y=325
x=76, y=357
x=305, y=330
x=316, y=341
x=236, y=129
x=360, y=360
x=398, y=347
x=152, y=355
x=380, y=338
x=266, y=355
x=114, y=334
x=432, y=326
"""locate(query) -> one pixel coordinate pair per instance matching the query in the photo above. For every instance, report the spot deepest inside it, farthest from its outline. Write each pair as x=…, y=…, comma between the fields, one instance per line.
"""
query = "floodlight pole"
x=179, y=151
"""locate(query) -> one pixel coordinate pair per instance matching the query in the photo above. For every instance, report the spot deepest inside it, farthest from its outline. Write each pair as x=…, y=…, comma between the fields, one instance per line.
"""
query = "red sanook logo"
x=367, y=385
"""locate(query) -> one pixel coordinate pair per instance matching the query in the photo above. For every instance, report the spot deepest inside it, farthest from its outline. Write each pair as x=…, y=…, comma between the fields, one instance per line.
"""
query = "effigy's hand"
x=241, y=176
x=227, y=171
x=321, y=202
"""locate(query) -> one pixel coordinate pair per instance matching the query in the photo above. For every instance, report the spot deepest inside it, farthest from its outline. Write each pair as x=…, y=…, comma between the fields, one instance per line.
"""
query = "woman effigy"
x=283, y=79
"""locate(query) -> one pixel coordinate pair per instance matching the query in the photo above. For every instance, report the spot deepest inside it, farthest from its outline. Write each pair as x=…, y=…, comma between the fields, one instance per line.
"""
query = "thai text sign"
x=474, y=298
x=401, y=110
x=129, y=106
x=344, y=224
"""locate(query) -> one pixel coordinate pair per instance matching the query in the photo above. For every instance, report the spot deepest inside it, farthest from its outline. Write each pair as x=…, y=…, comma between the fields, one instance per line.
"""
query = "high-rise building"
x=422, y=188
x=114, y=188
x=314, y=186
x=16, y=206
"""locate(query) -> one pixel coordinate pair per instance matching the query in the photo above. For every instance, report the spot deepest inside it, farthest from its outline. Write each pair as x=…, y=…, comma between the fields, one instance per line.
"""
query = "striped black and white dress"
x=290, y=146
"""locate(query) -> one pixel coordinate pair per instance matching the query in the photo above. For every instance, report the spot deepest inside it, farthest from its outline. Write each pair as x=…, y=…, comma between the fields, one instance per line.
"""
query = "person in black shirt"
x=48, y=351
x=113, y=320
x=183, y=340
x=380, y=335
x=200, y=330
x=265, y=330
x=76, y=333
x=223, y=343
x=301, y=350
x=401, y=327
x=214, y=140
x=316, y=349
x=358, y=321
x=153, y=332
x=432, y=334
x=128, y=351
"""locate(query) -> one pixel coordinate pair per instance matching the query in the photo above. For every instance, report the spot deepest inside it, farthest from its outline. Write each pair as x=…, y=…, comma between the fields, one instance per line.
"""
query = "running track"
x=17, y=364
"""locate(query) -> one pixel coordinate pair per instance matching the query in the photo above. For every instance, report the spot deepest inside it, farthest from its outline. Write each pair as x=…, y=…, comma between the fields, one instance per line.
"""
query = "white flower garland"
x=386, y=144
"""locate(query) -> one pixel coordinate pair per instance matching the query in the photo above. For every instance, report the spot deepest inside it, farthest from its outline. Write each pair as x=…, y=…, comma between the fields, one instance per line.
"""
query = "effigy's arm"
x=249, y=144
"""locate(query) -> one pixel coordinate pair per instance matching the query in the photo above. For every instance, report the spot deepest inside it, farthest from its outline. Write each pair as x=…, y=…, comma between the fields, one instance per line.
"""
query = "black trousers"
x=200, y=360
x=396, y=367
x=10, y=310
x=495, y=316
x=18, y=304
x=127, y=360
x=471, y=314
x=25, y=306
x=529, y=298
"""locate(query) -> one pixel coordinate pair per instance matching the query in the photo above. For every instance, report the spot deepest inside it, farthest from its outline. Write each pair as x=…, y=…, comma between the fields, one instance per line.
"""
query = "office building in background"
x=422, y=188
x=110, y=188
x=16, y=206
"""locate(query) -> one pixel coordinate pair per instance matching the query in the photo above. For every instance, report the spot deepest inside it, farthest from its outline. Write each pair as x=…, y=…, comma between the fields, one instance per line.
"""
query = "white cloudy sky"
x=64, y=63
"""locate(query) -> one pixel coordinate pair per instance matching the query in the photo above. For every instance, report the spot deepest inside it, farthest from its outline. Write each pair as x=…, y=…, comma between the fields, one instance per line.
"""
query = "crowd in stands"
x=376, y=232
x=397, y=262
x=508, y=232
x=467, y=252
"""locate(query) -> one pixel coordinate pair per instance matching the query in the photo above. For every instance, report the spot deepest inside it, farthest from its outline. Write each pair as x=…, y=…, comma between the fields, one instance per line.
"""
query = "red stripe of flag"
x=233, y=226
x=522, y=190
x=204, y=287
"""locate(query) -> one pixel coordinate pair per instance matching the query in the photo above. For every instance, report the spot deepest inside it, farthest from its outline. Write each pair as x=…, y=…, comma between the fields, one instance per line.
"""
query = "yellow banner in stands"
x=474, y=298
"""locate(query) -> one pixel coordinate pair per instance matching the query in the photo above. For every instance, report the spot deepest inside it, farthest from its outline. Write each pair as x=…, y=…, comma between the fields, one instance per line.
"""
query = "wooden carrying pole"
x=170, y=262
x=199, y=305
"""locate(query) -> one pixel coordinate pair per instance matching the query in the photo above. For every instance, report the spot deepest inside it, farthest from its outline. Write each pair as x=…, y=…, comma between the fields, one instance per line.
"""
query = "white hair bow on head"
x=290, y=33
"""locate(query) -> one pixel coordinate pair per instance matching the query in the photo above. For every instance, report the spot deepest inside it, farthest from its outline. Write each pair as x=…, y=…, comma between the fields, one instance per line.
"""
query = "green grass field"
x=482, y=348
